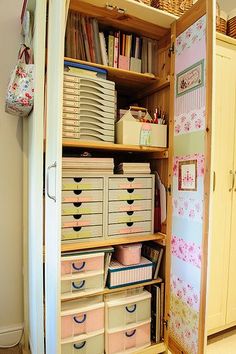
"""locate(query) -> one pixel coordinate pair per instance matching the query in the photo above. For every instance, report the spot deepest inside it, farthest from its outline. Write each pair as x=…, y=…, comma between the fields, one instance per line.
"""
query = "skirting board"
x=11, y=334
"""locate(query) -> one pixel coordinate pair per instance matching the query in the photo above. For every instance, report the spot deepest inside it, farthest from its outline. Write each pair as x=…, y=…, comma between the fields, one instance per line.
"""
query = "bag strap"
x=24, y=53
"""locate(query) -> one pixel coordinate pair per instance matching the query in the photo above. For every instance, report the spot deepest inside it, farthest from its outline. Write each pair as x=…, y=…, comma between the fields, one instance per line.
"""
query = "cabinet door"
x=231, y=304
x=191, y=91
x=222, y=164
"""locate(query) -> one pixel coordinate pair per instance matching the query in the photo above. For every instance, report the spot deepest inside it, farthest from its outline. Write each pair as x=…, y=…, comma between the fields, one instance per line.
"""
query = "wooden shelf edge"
x=116, y=72
x=152, y=88
x=76, y=246
x=75, y=143
x=224, y=38
x=154, y=348
x=107, y=291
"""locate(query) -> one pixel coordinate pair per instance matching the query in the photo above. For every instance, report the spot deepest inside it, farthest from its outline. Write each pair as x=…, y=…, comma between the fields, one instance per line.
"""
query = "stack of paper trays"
x=88, y=108
x=133, y=168
x=75, y=166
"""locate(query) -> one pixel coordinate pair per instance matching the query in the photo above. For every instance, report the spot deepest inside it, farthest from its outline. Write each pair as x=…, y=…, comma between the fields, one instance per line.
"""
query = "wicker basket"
x=231, y=24
x=176, y=7
x=147, y=2
x=221, y=22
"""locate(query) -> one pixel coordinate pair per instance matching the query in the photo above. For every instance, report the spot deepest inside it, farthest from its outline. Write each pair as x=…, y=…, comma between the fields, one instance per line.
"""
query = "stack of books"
x=133, y=168
x=84, y=40
x=89, y=108
x=75, y=166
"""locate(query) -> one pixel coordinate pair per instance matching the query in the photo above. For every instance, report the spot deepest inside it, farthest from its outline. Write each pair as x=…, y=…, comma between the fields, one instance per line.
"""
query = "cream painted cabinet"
x=222, y=251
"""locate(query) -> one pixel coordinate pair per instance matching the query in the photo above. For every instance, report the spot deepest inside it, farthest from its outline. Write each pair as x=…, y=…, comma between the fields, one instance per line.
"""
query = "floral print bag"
x=20, y=92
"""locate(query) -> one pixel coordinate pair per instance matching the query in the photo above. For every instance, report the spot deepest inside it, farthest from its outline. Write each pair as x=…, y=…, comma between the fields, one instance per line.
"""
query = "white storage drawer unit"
x=122, y=310
x=88, y=344
x=82, y=263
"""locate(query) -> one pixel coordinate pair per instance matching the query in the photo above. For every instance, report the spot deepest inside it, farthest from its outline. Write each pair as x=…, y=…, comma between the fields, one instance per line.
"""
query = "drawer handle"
x=77, y=191
x=130, y=201
x=80, y=286
x=77, y=229
x=130, y=224
x=130, y=190
x=131, y=309
x=77, y=216
x=79, y=346
x=77, y=205
x=80, y=321
x=77, y=180
x=130, y=179
x=78, y=268
x=131, y=334
x=130, y=212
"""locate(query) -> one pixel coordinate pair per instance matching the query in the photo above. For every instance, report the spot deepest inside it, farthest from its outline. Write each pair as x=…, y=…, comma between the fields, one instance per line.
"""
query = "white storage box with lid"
x=81, y=284
x=129, y=339
x=82, y=317
x=120, y=275
x=128, y=254
x=82, y=263
x=144, y=134
x=123, y=309
x=87, y=344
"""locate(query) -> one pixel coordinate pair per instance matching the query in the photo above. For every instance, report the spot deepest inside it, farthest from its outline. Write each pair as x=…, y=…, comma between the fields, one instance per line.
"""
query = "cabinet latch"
x=166, y=323
x=172, y=49
x=169, y=189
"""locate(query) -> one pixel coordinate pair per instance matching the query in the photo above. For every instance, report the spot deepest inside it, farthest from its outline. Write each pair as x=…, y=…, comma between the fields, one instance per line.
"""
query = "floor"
x=223, y=344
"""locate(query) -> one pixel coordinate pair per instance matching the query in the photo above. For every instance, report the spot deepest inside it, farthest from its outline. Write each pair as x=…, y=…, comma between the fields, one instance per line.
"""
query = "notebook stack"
x=76, y=166
x=88, y=108
x=133, y=168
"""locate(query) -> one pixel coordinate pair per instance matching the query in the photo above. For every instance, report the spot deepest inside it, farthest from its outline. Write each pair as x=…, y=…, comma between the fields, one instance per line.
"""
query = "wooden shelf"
x=133, y=16
x=155, y=348
x=107, y=291
x=75, y=246
x=74, y=143
x=124, y=79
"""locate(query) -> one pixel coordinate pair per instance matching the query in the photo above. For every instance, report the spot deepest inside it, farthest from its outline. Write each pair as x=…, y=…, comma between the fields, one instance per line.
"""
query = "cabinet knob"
x=232, y=174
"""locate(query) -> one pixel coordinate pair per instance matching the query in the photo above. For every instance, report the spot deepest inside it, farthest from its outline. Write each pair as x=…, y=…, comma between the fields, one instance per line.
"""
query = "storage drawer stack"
x=82, y=208
x=82, y=321
x=131, y=202
x=88, y=108
x=127, y=321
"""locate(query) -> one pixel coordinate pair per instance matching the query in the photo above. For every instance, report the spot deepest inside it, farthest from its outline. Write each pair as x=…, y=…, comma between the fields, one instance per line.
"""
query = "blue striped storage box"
x=120, y=275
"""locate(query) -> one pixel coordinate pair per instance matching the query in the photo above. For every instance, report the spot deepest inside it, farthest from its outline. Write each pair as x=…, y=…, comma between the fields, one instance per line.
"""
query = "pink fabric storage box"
x=82, y=320
x=128, y=254
x=83, y=263
x=128, y=339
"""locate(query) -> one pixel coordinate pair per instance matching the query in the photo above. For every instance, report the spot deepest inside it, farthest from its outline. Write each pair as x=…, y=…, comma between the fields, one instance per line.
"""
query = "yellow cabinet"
x=221, y=311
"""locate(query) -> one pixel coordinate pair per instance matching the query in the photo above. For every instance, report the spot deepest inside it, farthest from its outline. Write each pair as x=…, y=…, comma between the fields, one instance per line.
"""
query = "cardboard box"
x=130, y=132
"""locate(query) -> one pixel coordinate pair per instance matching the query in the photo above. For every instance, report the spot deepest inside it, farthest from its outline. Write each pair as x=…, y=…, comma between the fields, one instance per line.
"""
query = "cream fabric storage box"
x=82, y=317
x=136, y=133
x=122, y=310
x=82, y=263
x=87, y=344
x=129, y=339
x=82, y=208
x=120, y=275
x=77, y=285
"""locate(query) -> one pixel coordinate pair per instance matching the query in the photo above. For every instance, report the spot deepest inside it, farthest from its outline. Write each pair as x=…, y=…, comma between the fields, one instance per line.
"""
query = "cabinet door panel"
x=222, y=164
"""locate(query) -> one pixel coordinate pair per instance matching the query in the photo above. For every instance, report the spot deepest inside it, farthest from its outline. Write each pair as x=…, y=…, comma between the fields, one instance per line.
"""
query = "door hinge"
x=172, y=49
x=166, y=323
x=169, y=189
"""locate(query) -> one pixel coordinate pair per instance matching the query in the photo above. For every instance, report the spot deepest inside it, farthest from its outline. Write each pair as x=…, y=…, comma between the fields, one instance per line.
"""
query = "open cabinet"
x=182, y=86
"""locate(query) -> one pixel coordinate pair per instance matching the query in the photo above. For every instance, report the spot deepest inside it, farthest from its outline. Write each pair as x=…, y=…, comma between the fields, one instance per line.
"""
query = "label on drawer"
x=129, y=230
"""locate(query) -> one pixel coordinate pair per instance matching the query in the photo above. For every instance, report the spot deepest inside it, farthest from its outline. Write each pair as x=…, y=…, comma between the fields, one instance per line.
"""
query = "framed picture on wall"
x=187, y=176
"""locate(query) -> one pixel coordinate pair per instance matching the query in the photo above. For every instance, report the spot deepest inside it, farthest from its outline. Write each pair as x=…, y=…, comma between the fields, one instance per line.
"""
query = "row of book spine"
x=86, y=41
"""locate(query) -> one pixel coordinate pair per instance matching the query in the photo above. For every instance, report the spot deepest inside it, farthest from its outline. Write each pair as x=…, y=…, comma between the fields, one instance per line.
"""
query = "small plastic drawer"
x=81, y=208
x=81, y=284
x=130, y=194
x=130, y=205
x=81, y=232
x=79, y=195
x=130, y=228
x=131, y=182
x=67, y=103
x=130, y=216
x=98, y=83
x=122, y=310
x=83, y=263
x=81, y=220
x=96, y=95
x=82, y=183
x=129, y=339
x=70, y=128
x=81, y=317
x=86, y=345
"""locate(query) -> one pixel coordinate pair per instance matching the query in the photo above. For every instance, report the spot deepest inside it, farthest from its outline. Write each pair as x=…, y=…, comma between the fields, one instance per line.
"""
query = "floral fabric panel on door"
x=188, y=185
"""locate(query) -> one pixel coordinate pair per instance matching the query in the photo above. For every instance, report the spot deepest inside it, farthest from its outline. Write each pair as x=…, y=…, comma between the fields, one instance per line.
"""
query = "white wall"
x=227, y=5
x=11, y=282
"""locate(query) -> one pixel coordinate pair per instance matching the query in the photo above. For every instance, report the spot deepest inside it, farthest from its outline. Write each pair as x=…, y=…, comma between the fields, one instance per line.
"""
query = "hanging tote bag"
x=20, y=92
